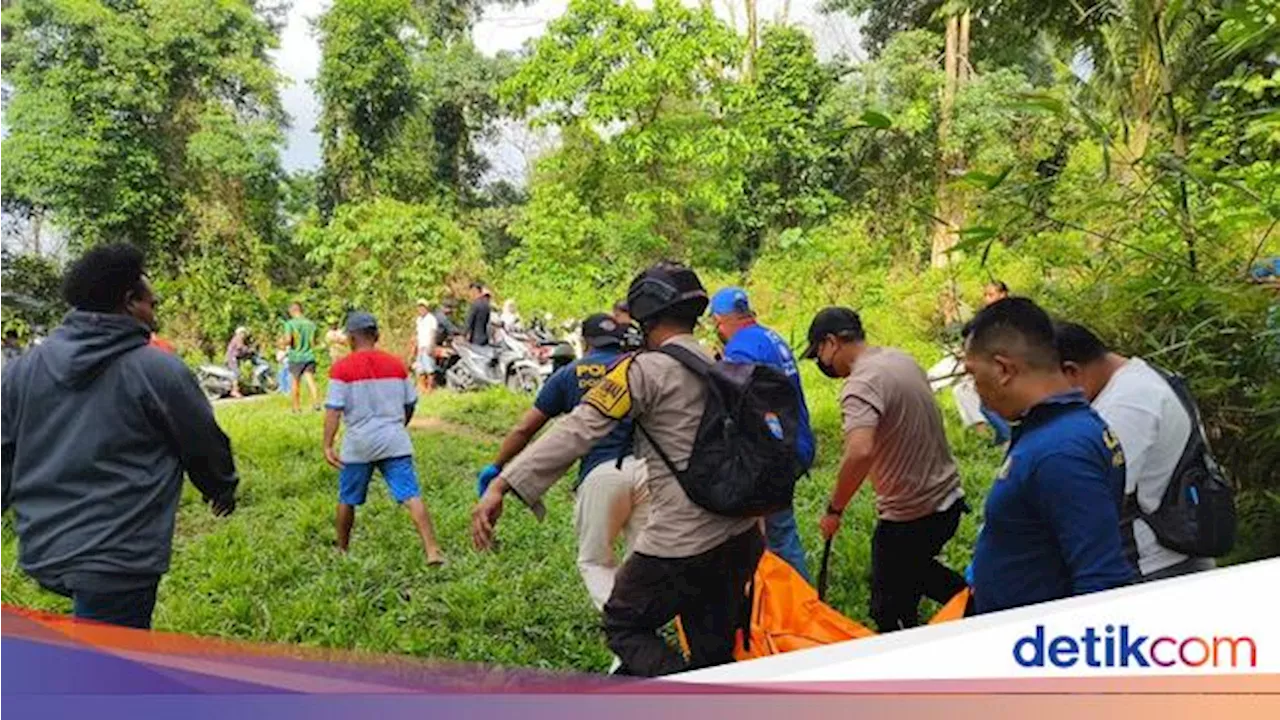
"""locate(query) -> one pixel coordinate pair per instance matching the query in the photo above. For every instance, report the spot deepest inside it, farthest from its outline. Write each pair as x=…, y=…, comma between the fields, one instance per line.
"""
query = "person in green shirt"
x=301, y=335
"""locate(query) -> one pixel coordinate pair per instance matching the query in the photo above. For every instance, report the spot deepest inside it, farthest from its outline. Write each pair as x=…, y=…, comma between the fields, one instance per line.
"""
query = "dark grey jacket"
x=477, y=325
x=98, y=427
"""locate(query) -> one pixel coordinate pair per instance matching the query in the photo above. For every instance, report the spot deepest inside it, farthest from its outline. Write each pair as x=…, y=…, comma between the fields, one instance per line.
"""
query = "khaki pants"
x=609, y=502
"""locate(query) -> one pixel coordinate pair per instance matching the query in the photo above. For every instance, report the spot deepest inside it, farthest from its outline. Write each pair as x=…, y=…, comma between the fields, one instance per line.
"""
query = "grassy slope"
x=270, y=573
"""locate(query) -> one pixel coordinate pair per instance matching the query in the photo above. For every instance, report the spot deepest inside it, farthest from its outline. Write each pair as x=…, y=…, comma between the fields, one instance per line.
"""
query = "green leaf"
x=999, y=179
x=972, y=237
x=878, y=120
x=977, y=178
x=1038, y=102
x=986, y=181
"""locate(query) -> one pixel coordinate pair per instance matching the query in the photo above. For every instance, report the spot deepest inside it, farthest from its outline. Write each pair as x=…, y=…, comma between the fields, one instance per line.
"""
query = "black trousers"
x=128, y=608
x=904, y=567
x=708, y=592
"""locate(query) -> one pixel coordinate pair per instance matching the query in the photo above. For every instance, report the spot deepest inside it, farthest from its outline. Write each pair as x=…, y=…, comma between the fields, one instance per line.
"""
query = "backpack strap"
x=1131, y=510
x=1197, y=440
x=1180, y=390
x=696, y=364
x=1179, y=386
x=666, y=459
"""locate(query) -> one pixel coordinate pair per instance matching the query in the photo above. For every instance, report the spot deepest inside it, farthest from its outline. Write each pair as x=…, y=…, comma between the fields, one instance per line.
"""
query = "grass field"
x=270, y=572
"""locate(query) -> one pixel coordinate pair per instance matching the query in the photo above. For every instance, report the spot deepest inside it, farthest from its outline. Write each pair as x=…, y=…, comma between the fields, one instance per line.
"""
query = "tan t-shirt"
x=912, y=469
x=660, y=393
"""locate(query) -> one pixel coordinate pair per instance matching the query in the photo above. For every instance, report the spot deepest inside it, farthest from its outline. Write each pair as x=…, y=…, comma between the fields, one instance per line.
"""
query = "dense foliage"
x=1118, y=160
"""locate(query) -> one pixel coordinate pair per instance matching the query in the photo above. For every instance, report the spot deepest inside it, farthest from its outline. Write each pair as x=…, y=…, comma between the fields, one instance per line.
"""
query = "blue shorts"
x=402, y=479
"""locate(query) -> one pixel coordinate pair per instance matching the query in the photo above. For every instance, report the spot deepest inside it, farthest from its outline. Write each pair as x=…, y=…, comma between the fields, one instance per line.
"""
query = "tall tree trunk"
x=1140, y=90
x=1179, y=138
x=753, y=36
x=944, y=230
x=949, y=213
x=949, y=65
x=37, y=223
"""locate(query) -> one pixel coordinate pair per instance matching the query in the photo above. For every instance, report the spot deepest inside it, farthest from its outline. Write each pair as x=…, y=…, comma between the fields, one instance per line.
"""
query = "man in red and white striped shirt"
x=372, y=392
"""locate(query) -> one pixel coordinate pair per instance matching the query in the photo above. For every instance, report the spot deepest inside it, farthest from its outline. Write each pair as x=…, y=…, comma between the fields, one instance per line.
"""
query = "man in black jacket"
x=98, y=429
x=476, y=327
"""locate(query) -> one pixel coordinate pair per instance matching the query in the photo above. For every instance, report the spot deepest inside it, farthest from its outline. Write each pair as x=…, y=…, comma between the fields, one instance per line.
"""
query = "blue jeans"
x=784, y=540
x=128, y=608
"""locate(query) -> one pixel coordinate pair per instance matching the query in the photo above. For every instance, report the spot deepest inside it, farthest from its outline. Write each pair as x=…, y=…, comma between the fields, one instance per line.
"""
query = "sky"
x=502, y=29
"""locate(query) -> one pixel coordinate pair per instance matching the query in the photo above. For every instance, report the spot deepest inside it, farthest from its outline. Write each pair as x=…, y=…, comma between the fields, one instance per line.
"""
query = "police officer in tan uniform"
x=687, y=561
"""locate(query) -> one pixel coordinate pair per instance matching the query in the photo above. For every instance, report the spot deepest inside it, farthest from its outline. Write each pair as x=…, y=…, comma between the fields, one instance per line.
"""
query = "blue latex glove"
x=968, y=574
x=485, y=477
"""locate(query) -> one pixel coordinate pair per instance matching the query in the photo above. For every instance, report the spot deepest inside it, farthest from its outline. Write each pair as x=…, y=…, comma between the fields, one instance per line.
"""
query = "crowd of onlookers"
x=99, y=427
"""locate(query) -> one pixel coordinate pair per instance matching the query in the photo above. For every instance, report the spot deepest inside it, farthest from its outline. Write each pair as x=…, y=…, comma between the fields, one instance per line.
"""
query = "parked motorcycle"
x=549, y=351
x=446, y=357
x=508, y=363
x=217, y=381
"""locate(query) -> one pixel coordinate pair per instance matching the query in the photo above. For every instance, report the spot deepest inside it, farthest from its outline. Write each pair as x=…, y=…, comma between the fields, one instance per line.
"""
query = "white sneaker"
x=613, y=666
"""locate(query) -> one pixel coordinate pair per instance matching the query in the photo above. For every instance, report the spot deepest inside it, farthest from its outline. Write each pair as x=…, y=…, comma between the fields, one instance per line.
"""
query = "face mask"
x=826, y=369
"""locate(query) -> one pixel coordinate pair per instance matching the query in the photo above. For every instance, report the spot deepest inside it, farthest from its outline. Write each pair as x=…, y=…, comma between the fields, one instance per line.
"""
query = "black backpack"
x=1197, y=515
x=744, y=461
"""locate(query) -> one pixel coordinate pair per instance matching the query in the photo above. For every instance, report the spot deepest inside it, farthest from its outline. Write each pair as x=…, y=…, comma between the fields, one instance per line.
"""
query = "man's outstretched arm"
x=521, y=435
x=530, y=475
x=536, y=469
x=543, y=463
x=205, y=450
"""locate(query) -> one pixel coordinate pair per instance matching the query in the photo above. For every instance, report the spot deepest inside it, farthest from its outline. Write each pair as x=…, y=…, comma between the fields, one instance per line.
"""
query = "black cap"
x=600, y=330
x=832, y=321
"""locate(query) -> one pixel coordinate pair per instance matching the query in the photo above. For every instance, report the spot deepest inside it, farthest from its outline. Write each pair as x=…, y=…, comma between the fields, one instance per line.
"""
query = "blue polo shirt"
x=563, y=392
x=758, y=344
x=1052, y=518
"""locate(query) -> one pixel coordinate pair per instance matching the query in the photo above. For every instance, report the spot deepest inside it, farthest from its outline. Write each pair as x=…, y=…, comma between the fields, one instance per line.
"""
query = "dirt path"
x=435, y=424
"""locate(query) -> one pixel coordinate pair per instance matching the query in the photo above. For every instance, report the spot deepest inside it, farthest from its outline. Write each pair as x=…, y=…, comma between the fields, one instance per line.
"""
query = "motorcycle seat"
x=486, y=351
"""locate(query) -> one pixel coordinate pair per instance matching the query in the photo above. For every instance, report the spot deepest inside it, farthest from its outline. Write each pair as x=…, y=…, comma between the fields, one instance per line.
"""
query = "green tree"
x=796, y=166
x=367, y=89
x=32, y=292
x=126, y=116
x=381, y=254
x=157, y=122
x=639, y=97
x=404, y=96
